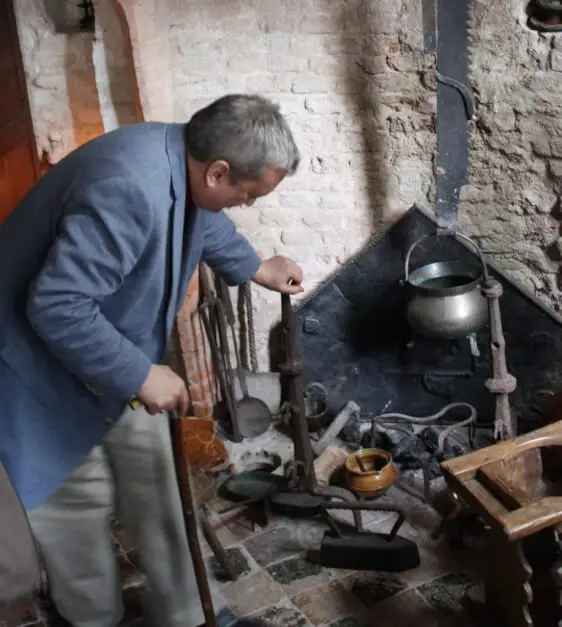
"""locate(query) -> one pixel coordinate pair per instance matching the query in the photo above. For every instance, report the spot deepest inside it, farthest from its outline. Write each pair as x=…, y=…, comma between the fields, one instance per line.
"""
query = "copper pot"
x=370, y=472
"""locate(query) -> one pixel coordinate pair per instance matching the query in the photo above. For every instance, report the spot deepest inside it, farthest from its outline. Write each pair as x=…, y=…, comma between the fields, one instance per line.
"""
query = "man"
x=94, y=265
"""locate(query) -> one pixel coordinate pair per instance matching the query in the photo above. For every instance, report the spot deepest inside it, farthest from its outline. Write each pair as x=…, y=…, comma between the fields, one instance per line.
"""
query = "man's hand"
x=164, y=390
x=279, y=274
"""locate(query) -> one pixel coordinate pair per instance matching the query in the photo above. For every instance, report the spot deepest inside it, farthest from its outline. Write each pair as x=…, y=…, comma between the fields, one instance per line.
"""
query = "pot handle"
x=465, y=238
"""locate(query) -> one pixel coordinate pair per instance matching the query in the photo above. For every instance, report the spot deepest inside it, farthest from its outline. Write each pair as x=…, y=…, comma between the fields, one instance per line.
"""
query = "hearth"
x=357, y=342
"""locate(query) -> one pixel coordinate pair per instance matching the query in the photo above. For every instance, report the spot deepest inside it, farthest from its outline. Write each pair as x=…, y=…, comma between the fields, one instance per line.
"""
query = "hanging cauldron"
x=445, y=298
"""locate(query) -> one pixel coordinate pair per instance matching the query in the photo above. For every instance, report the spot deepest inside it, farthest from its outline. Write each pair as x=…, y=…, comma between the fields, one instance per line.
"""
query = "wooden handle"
x=135, y=403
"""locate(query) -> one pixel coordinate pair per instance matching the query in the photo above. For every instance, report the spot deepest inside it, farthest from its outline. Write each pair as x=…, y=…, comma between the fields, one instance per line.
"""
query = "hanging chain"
x=250, y=328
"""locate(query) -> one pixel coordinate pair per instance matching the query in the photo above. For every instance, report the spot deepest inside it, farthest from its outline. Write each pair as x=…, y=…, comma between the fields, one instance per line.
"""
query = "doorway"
x=19, y=166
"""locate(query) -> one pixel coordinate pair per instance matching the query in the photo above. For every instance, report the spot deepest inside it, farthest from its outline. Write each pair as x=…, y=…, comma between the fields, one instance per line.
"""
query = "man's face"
x=216, y=192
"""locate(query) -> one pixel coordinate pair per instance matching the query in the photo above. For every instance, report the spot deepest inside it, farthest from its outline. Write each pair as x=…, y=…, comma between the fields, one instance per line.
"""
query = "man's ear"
x=217, y=173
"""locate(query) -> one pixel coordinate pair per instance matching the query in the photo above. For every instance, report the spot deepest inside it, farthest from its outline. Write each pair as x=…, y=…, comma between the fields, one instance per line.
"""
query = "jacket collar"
x=176, y=149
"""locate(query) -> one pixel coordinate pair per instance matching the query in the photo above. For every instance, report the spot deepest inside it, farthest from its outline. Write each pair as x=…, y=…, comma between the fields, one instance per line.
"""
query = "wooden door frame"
x=20, y=72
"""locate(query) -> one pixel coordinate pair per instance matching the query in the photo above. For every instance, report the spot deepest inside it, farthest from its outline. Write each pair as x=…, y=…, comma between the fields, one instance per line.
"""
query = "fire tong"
x=501, y=383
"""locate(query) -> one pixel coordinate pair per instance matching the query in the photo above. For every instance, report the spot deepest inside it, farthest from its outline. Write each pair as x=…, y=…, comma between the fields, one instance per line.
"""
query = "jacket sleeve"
x=101, y=236
x=227, y=251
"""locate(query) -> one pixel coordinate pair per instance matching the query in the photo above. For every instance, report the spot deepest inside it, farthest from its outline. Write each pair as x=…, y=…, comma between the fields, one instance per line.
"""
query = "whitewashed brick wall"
x=339, y=72
x=350, y=76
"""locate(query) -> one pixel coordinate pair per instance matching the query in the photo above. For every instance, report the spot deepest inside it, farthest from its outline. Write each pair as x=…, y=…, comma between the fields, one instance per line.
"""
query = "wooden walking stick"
x=183, y=474
x=189, y=513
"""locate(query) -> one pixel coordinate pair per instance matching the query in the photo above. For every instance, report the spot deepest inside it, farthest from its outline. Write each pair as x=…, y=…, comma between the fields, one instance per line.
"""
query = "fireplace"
x=357, y=342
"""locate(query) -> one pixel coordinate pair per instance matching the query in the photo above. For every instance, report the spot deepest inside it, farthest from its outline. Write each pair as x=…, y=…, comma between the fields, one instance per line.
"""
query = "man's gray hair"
x=247, y=131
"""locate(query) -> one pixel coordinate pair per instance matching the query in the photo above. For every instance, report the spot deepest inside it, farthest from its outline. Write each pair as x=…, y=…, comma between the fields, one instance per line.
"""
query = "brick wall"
x=359, y=94
x=193, y=348
x=350, y=77
x=355, y=85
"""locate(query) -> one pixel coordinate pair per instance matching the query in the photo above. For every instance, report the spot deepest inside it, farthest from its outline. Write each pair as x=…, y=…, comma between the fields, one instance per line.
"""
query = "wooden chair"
x=503, y=485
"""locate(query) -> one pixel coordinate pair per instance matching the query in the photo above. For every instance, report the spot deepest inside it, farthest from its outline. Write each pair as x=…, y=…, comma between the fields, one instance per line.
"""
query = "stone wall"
x=512, y=204
x=358, y=91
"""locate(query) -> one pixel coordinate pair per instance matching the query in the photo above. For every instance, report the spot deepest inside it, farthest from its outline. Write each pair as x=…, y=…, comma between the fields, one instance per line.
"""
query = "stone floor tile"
x=446, y=593
x=297, y=574
x=254, y=592
x=241, y=562
x=282, y=615
x=307, y=531
x=273, y=545
x=372, y=587
x=403, y=610
x=327, y=603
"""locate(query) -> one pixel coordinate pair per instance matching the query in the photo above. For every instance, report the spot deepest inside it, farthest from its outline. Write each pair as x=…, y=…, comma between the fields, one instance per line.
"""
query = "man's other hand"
x=164, y=390
x=280, y=274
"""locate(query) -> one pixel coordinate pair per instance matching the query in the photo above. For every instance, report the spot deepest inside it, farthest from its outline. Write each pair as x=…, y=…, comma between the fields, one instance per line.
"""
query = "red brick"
x=195, y=352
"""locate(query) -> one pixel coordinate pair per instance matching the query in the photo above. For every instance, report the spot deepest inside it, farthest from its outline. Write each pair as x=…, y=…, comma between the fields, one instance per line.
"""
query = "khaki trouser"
x=131, y=474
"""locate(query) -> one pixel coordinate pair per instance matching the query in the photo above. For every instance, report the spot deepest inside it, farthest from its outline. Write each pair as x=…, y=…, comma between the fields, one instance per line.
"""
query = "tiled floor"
x=277, y=584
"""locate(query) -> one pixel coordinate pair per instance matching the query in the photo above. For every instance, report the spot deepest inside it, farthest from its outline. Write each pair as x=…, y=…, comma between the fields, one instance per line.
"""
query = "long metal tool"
x=183, y=474
x=302, y=467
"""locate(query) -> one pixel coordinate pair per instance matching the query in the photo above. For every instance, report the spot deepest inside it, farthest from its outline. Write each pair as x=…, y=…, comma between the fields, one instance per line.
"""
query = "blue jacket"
x=94, y=265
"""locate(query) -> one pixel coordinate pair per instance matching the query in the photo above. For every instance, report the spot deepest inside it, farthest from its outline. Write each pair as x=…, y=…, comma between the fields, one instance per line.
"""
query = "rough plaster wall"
x=353, y=82
x=114, y=67
x=350, y=76
x=79, y=85
x=148, y=23
x=60, y=76
x=512, y=204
